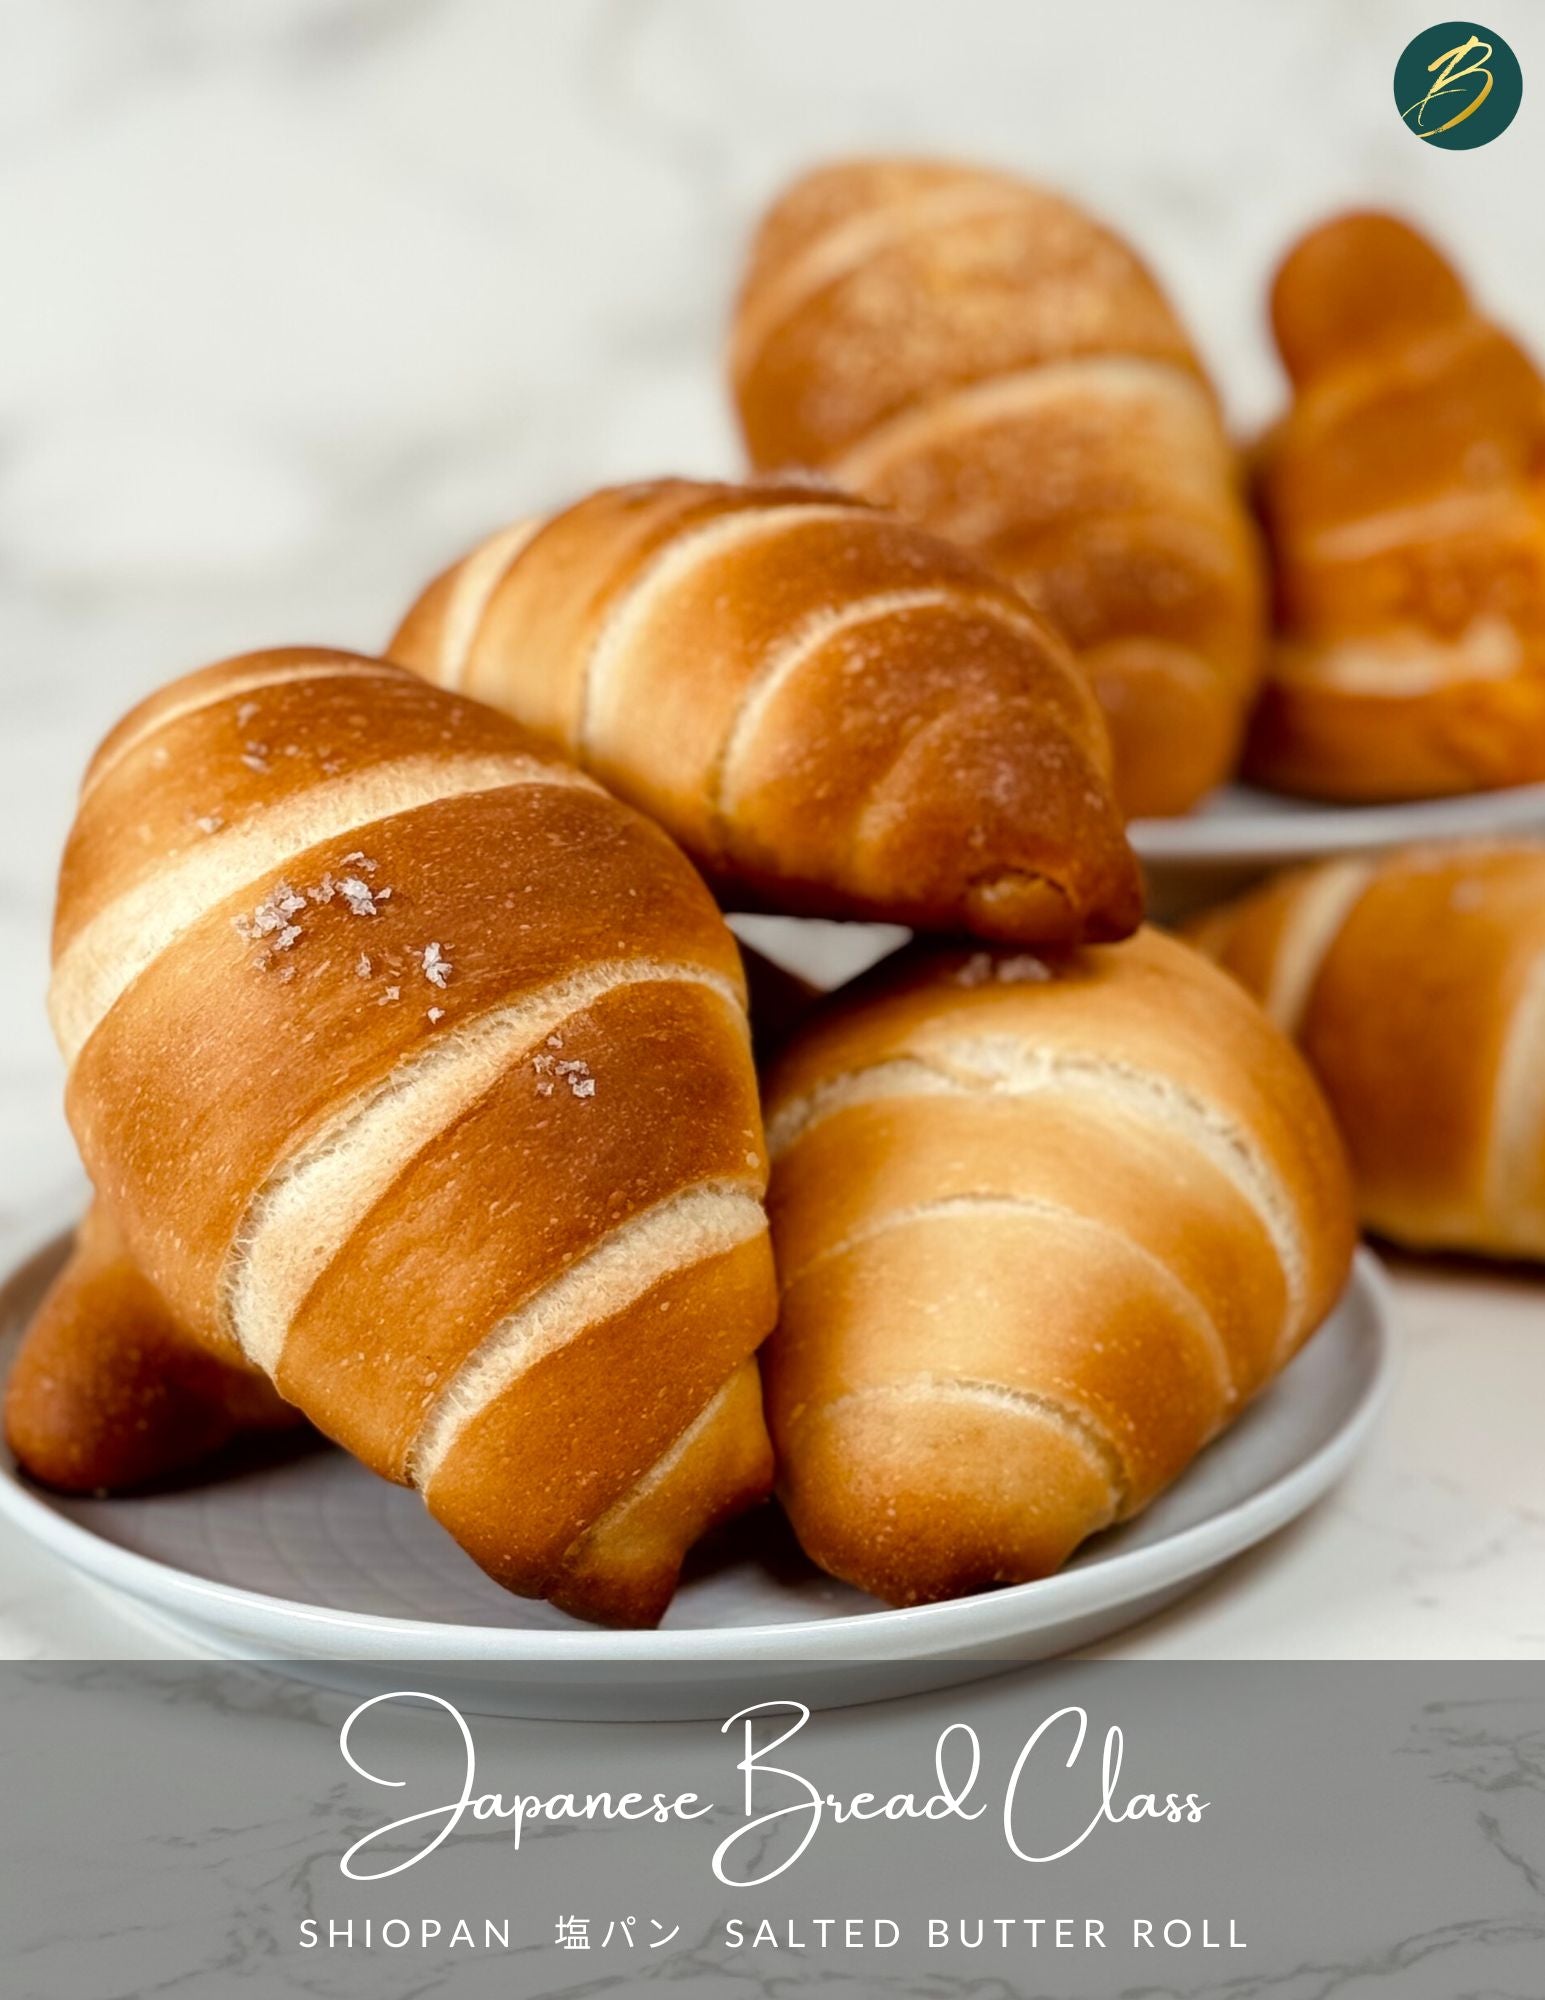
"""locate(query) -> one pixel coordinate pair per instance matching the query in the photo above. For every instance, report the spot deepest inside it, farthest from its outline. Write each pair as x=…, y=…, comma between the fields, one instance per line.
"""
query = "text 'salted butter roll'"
x=990, y=360
x=414, y=1070
x=1045, y=1224
x=833, y=712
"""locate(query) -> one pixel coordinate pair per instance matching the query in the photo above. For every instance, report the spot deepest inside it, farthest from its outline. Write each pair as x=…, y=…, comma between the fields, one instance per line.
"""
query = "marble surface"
x=301, y=296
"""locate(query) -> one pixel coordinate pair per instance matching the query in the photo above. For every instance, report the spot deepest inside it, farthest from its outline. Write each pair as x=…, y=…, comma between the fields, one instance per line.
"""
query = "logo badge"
x=1458, y=85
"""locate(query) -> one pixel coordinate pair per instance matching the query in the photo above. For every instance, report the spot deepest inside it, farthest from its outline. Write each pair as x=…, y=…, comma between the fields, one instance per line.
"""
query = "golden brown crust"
x=1416, y=988
x=864, y=723
x=438, y=1035
x=1354, y=284
x=1404, y=498
x=719, y=1466
x=905, y=1496
x=1347, y=746
x=109, y=1391
x=990, y=360
x=459, y=870
x=1043, y=1224
x=668, y=1060
x=873, y=285
x=612, y=1373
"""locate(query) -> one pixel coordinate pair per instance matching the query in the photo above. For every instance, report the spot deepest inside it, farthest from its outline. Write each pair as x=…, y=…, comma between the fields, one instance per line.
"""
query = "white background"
x=297, y=297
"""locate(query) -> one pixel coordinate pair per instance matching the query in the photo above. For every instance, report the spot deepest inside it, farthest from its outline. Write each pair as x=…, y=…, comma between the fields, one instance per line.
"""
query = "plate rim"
x=984, y=1620
x=1267, y=838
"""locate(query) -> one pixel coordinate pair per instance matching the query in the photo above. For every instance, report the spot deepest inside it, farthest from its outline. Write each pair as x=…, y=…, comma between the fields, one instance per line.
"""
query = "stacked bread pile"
x=408, y=1047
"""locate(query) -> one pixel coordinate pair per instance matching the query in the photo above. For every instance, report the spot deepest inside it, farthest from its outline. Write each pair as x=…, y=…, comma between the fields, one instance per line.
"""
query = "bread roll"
x=109, y=1392
x=416, y=1068
x=832, y=712
x=1415, y=985
x=1404, y=498
x=1044, y=1224
x=987, y=358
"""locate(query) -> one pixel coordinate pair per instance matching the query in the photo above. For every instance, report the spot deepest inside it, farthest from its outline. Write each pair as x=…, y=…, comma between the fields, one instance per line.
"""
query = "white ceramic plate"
x=305, y=1556
x=1240, y=833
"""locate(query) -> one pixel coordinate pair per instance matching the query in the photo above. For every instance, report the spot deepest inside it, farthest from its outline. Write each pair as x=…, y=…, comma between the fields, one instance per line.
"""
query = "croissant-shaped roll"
x=109, y=1391
x=834, y=713
x=1044, y=1224
x=1415, y=985
x=416, y=1068
x=987, y=358
x=1404, y=498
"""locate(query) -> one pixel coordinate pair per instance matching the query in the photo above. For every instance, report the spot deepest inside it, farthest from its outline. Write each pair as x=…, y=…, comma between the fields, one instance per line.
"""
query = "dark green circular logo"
x=1458, y=85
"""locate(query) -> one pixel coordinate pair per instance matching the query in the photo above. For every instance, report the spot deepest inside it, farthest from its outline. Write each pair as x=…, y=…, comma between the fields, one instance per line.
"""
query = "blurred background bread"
x=985, y=356
x=1415, y=985
x=1403, y=495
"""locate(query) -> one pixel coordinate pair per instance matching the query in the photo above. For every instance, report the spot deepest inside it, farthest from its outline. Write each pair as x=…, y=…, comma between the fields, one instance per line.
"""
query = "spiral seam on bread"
x=671, y=566
x=1515, y=1173
x=1393, y=527
x=831, y=710
x=783, y=663
x=841, y=250
x=980, y=1067
x=164, y=709
x=1045, y=1225
x=1415, y=983
x=969, y=406
x=481, y=575
x=1401, y=493
x=108, y=954
x=948, y=1207
x=373, y=1079
x=1311, y=929
x=315, y=1198
x=693, y=1225
x=655, y=1476
x=996, y=364
x=1074, y=1424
